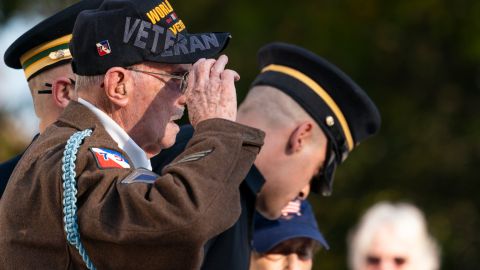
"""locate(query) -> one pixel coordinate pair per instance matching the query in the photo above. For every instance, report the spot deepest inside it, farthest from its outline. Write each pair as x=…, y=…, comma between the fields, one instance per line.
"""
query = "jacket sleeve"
x=195, y=199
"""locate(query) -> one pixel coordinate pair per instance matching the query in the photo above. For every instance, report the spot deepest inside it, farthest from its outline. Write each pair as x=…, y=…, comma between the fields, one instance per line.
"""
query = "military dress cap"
x=269, y=233
x=127, y=32
x=46, y=45
x=341, y=108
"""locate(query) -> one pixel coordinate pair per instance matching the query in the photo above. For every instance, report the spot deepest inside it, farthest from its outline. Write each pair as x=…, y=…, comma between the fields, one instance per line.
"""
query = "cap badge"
x=60, y=54
x=103, y=48
x=330, y=121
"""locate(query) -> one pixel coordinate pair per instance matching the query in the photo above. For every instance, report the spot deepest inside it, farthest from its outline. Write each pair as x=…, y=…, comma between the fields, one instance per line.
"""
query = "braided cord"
x=70, y=194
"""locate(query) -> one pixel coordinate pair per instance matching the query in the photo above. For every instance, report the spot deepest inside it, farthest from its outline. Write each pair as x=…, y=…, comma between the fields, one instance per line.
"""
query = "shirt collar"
x=124, y=142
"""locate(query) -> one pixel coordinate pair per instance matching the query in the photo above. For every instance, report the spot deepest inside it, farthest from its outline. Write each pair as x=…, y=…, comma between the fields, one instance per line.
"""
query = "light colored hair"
x=274, y=108
x=85, y=82
x=403, y=219
x=84, y=85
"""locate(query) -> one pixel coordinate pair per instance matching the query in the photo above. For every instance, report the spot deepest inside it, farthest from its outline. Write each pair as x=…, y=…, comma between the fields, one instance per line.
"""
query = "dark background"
x=418, y=60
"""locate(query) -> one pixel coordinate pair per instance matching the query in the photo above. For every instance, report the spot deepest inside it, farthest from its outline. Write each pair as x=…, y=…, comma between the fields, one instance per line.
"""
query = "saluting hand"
x=211, y=91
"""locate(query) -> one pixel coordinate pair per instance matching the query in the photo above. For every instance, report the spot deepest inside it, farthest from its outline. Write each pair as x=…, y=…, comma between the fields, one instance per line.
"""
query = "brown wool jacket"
x=162, y=224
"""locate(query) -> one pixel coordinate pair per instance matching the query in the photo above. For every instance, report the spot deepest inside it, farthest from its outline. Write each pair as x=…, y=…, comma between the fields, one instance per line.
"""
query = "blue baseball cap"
x=269, y=233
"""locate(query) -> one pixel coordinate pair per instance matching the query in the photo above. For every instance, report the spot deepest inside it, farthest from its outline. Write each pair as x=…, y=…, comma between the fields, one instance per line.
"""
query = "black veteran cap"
x=340, y=107
x=46, y=45
x=127, y=32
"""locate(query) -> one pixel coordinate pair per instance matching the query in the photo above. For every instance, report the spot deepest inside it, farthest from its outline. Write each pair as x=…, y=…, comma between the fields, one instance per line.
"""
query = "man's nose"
x=182, y=100
x=388, y=265
x=293, y=262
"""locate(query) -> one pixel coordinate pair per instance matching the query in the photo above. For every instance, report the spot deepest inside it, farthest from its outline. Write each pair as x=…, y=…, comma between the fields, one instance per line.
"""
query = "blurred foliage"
x=11, y=144
x=9, y=8
x=419, y=61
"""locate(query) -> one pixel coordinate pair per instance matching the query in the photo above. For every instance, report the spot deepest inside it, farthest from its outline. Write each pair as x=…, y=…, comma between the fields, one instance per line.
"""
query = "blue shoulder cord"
x=70, y=194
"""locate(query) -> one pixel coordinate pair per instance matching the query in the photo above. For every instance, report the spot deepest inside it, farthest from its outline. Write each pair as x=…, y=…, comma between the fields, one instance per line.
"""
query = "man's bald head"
x=273, y=109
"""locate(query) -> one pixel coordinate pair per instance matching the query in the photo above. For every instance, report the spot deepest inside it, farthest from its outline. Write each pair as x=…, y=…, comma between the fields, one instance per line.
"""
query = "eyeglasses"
x=182, y=77
x=374, y=260
x=49, y=91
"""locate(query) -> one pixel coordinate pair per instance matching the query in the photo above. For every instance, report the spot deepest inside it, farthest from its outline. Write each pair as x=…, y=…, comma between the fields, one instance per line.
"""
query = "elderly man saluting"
x=83, y=195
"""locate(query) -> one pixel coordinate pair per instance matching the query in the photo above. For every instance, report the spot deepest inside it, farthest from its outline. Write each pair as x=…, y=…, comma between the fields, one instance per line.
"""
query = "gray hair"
x=404, y=220
x=86, y=82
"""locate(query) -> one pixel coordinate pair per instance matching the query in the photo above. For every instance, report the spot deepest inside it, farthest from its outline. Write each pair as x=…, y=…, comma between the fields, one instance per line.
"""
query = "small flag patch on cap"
x=107, y=158
x=103, y=48
x=293, y=208
x=171, y=18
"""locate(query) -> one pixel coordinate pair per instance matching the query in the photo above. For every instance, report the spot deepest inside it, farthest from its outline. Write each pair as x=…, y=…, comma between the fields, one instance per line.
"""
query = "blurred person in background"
x=289, y=242
x=42, y=52
x=313, y=114
x=392, y=237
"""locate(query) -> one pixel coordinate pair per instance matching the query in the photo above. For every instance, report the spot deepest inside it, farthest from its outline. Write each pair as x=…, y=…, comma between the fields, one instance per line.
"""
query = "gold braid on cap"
x=321, y=92
x=45, y=54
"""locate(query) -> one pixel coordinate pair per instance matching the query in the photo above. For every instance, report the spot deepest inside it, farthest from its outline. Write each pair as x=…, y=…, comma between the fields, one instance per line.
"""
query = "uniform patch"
x=140, y=175
x=192, y=157
x=107, y=158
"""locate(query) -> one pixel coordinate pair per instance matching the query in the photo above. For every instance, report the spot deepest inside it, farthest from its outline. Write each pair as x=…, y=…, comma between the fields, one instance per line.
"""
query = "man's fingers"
x=236, y=76
x=219, y=66
x=213, y=90
x=203, y=68
x=229, y=74
x=199, y=62
x=228, y=83
x=200, y=72
x=228, y=99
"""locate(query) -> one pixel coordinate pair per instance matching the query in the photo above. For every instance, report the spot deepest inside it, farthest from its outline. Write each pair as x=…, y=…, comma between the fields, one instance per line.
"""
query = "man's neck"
x=256, y=122
x=120, y=136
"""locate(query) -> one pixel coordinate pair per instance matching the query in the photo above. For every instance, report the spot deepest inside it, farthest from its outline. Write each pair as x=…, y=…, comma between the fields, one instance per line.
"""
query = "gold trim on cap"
x=321, y=92
x=33, y=60
x=44, y=62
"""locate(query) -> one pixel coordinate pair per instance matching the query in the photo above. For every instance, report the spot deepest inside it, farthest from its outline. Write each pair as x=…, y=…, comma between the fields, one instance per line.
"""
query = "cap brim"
x=193, y=47
x=269, y=238
x=51, y=28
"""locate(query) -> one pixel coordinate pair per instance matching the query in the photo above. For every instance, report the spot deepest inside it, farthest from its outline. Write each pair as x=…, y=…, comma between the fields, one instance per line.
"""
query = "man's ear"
x=62, y=91
x=118, y=86
x=303, y=194
x=299, y=137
